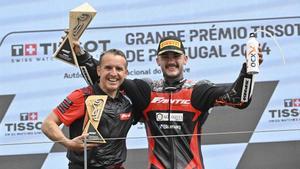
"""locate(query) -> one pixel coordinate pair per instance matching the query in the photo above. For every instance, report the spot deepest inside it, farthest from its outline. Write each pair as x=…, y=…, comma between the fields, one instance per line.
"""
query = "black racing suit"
x=174, y=114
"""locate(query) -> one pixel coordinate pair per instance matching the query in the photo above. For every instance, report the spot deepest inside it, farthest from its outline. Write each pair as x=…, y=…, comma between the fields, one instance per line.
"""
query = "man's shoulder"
x=88, y=90
x=189, y=84
x=155, y=85
x=193, y=83
x=204, y=82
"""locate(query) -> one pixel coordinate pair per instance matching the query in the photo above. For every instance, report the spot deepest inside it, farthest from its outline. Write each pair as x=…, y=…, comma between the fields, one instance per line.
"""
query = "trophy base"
x=94, y=137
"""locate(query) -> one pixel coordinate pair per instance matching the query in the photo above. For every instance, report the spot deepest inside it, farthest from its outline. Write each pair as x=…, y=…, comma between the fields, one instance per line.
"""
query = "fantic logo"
x=172, y=101
x=292, y=102
x=24, y=50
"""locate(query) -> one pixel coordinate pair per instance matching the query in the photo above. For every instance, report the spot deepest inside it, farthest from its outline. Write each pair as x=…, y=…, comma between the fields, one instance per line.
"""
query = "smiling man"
x=171, y=59
x=174, y=109
x=115, y=121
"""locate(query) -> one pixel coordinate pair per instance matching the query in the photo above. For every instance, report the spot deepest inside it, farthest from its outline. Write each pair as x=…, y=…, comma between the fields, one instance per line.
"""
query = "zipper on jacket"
x=171, y=139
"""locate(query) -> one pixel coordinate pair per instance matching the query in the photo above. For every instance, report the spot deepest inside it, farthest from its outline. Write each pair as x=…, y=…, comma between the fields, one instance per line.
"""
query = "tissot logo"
x=172, y=101
x=30, y=52
x=292, y=102
x=290, y=112
x=33, y=49
x=28, y=125
x=31, y=116
x=24, y=50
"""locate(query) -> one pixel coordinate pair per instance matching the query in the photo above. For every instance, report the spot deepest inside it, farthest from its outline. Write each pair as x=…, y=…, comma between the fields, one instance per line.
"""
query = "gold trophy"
x=79, y=19
x=94, y=105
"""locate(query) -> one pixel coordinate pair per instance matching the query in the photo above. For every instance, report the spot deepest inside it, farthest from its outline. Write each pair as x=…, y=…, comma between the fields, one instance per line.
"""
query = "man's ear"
x=98, y=70
x=186, y=58
x=157, y=61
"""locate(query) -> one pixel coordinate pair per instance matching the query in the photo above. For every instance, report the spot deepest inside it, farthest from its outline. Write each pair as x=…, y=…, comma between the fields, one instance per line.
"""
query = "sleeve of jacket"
x=88, y=68
x=238, y=94
x=139, y=92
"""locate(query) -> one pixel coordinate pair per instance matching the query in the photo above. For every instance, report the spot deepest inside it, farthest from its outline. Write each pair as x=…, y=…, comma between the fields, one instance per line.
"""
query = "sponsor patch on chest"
x=169, y=116
x=125, y=116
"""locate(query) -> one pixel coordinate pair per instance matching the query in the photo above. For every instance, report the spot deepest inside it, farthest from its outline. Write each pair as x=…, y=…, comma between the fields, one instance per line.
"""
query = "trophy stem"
x=85, y=153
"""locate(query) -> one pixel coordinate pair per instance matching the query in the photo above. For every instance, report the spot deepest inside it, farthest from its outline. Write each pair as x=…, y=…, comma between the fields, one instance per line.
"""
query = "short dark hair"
x=113, y=52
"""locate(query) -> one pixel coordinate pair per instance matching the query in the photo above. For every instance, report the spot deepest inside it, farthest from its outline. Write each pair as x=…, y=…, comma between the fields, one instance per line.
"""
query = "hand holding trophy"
x=79, y=19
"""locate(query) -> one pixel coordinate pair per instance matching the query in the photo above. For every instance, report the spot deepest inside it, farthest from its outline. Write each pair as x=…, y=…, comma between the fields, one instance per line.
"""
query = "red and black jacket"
x=114, y=125
x=174, y=114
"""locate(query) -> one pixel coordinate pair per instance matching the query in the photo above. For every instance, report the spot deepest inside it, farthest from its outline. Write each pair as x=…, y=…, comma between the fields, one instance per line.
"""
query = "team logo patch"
x=125, y=116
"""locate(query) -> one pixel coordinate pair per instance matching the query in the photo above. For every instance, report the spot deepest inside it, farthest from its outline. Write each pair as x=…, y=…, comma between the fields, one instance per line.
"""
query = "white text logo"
x=172, y=101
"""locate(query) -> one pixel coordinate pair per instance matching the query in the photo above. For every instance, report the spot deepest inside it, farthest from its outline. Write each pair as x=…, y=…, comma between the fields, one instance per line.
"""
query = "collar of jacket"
x=177, y=84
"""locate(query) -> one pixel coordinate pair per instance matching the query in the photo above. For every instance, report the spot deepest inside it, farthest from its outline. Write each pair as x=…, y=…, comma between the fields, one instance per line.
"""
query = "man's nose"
x=113, y=71
x=171, y=59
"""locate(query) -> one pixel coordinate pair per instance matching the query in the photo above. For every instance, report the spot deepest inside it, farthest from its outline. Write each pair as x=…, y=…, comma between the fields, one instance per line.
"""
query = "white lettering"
x=245, y=90
x=172, y=101
x=165, y=116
